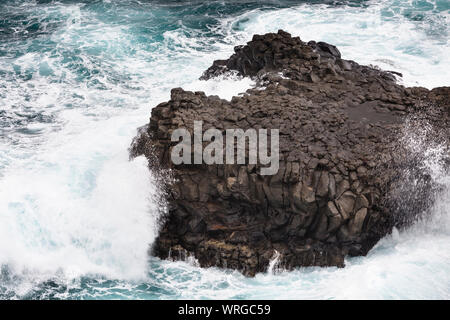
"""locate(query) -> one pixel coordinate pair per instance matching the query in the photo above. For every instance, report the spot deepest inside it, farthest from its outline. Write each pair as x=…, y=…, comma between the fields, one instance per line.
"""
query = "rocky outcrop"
x=340, y=124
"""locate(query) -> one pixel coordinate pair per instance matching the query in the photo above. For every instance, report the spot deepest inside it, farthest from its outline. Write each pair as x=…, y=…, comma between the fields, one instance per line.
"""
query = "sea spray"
x=426, y=151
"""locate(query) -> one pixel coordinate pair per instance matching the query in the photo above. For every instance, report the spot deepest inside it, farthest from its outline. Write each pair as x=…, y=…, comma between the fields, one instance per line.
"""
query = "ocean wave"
x=77, y=218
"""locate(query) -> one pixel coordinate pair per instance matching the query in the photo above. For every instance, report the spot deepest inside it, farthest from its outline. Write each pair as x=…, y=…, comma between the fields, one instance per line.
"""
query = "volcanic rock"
x=340, y=128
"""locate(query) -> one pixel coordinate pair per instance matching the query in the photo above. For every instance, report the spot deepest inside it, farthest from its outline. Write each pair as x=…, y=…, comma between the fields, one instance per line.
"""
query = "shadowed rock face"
x=339, y=124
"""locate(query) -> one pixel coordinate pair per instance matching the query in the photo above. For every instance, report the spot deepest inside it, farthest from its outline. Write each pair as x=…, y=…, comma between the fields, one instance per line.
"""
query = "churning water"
x=78, y=77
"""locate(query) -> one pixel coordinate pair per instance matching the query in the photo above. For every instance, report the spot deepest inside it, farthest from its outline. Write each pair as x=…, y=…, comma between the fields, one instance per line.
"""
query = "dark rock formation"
x=339, y=124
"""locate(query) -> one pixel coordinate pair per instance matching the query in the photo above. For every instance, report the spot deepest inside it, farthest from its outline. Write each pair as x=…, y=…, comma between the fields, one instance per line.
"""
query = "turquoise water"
x=78, y=77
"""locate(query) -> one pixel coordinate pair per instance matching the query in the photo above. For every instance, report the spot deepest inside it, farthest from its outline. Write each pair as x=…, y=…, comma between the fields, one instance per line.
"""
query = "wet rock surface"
x=340, y=124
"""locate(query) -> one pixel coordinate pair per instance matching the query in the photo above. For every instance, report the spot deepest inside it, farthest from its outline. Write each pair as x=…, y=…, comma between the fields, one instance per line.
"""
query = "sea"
x=77, y=78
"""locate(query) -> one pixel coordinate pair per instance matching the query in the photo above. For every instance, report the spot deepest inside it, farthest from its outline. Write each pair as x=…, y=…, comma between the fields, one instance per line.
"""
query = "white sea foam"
x=378, y=34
